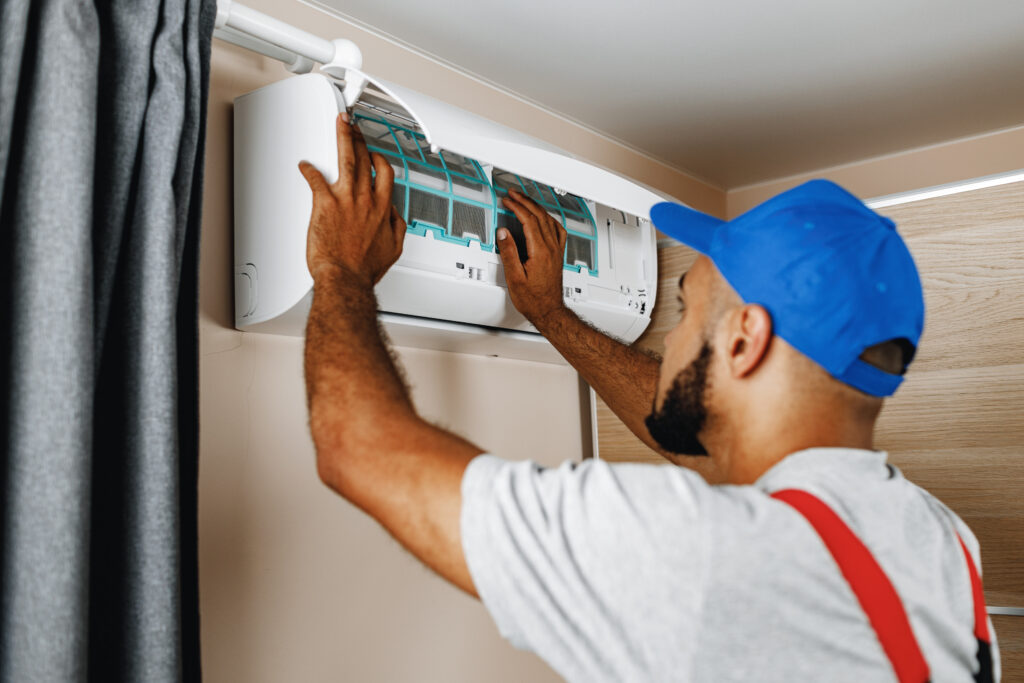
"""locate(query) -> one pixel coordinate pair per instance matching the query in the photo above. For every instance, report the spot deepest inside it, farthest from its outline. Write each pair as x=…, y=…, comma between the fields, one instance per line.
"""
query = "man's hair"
x=891, y=356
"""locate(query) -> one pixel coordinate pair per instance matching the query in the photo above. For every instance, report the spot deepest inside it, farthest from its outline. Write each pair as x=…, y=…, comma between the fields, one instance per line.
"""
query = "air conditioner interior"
x=450, y=272
x=457, y=199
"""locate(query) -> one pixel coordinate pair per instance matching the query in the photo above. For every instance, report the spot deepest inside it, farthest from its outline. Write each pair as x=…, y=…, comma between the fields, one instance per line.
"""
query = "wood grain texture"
x=672, y=263
x=969, y=250
x=614, y=440
x=956, y=427
x=1010, y=634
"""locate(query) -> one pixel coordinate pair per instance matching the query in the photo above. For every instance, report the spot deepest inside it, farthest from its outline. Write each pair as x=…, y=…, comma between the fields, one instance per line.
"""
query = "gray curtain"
x=102, y=120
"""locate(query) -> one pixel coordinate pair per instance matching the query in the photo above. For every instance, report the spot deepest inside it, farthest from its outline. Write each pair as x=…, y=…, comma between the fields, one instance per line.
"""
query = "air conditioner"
x=451, y=170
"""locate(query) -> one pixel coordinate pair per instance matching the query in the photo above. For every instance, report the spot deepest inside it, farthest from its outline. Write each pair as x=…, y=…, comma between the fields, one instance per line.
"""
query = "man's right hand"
x=535, y=286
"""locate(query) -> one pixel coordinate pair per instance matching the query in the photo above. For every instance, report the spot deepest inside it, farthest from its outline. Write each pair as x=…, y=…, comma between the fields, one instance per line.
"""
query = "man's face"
x=680, y=410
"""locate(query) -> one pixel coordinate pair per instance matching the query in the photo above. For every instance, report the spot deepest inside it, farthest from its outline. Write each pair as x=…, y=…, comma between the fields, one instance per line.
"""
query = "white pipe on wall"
x=298, y=49
x=230, y=35
x=268, y=29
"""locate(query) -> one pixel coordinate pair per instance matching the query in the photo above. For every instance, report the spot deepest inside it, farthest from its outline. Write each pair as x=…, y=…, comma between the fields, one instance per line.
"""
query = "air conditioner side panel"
x=275, y=128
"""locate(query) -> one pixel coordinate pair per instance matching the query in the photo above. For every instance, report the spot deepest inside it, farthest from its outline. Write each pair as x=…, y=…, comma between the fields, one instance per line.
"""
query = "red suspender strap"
x=874, y=591
x=985, y=673
x=980, y=618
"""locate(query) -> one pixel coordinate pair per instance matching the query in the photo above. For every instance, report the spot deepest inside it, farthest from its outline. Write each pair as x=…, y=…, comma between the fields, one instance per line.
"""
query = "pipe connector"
x=223, y=13
x=347, y=56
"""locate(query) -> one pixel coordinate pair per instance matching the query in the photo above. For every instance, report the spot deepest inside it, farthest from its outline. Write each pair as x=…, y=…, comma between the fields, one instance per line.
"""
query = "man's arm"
x=371, y=446
x=625, y=377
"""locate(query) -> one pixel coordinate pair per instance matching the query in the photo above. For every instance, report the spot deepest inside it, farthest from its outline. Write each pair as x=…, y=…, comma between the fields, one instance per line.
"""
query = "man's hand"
x=353, y=226
x=536, y=286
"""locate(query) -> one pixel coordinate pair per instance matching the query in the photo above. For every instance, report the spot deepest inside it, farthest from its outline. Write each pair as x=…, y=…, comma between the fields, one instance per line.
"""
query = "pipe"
x=299, y=50
x=297, y=64
x=260, y=26
x=230, y=35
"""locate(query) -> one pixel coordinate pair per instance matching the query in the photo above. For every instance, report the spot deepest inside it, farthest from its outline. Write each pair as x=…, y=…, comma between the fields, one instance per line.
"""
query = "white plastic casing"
x=426, y=299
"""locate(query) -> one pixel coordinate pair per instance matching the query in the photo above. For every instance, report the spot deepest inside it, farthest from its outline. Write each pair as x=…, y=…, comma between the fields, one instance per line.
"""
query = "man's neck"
x=743, y=455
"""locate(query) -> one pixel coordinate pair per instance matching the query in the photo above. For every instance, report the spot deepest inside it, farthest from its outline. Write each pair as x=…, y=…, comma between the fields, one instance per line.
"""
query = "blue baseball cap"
x=835, y=276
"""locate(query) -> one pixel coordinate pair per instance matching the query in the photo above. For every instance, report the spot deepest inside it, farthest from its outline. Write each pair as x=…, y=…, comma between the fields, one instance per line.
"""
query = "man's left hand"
x=535, y=287
x=354, y=226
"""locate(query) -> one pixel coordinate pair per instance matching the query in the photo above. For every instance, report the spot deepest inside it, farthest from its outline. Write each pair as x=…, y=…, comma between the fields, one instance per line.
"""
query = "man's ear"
x=750, y=334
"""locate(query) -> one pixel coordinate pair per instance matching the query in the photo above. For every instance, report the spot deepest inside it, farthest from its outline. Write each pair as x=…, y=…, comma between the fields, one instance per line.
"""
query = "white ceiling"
x=737, y=92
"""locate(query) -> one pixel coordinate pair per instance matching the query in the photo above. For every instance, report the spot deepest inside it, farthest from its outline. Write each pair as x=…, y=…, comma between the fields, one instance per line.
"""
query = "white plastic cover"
x=454, y=129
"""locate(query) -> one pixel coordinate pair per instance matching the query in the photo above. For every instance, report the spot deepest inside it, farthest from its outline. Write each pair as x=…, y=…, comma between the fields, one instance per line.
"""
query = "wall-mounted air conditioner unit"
x=451, y=170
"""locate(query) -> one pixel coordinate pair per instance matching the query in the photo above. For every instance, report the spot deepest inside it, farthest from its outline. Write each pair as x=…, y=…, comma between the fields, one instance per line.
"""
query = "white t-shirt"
x=629, y=572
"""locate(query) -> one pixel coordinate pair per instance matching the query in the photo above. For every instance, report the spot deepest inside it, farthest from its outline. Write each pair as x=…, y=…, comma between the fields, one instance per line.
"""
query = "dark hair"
x=891, y=356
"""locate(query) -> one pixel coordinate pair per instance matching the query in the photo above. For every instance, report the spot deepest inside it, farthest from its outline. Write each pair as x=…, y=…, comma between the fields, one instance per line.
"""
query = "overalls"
x=878, y=598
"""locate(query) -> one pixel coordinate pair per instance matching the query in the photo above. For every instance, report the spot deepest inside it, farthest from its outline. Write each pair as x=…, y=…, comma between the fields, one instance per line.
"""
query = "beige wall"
x=295, y=584
x=949, y=162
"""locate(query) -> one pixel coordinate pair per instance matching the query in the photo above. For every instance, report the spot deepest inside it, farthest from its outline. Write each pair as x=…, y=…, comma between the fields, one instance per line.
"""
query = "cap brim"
x=689, y=226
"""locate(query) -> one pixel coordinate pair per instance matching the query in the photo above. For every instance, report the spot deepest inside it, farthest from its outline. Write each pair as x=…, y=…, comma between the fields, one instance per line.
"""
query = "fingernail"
x=344, y=116
x=502, y=234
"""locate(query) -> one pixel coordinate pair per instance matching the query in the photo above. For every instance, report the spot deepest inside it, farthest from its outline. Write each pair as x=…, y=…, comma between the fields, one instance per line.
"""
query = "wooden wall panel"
x=615, y=441
x=672, y=263
x=1010, y=631
x=956, y=427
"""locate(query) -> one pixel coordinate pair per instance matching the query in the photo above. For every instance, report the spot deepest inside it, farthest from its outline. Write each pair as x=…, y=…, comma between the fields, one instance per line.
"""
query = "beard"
x=676, y=426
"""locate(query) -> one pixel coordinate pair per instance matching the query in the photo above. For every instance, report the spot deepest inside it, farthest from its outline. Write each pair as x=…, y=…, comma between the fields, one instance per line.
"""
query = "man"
x=799, y=555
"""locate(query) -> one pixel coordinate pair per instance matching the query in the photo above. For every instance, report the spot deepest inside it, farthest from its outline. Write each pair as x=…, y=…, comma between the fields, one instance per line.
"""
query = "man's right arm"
x=625, y=377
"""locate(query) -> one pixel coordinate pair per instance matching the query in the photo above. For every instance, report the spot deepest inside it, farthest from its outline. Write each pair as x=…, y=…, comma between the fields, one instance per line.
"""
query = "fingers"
x=534, y=240
x=528, y=204
x=346, y=153
x=384, y=183
x=547, y=224
x=514, y=271
x=364, y=165
x=314, y=177
x=398, y=227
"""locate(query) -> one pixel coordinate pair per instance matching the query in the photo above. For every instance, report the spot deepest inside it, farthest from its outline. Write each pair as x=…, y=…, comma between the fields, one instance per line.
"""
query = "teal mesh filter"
x=470, y=221
x=428, y=208
x=398, y=198
x=451, y=196
x=378, y=135
x=579, y=252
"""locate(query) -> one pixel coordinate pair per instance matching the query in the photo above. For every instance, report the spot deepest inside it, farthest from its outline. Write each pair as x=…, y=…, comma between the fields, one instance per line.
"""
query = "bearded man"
x=786, y=548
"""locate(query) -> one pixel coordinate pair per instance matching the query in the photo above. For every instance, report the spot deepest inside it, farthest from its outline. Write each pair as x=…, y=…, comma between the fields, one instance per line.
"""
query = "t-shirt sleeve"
x=581, y=563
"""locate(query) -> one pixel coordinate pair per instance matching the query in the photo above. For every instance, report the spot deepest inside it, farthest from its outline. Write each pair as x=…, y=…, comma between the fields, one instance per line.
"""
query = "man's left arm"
x=372, y=447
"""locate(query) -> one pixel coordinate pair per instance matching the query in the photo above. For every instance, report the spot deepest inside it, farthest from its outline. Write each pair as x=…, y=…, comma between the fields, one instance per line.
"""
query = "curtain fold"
x=102, y=124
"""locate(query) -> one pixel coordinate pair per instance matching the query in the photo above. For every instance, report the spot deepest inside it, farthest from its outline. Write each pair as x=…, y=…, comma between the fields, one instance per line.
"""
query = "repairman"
x=783, y=549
